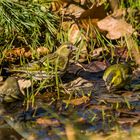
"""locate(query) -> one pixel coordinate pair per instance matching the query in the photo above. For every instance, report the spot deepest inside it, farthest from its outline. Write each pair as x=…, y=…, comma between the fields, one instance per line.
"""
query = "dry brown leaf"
x=114, y=4
x=97, y=51
x=74, y=34
x=127, y=120
x=88, y=23
x=116, y=27
x=134, y=49
x=119, y=13
x=57, y=5
x=88, y=30
x=100, y=107
x=32, y=137
x=80, y=1
x=47, y=122
x=121, y=51
x=70, y=132
x=74, y=10
x=16, y=53
x=1, y=78
x=28, y=54
x=77, y=101
x=88, y=27
x=66, y=25
x=42, y=51
x=24, y=84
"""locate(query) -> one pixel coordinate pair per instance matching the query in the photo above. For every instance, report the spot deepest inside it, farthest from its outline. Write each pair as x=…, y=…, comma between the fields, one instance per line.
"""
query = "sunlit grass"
x=24, y=23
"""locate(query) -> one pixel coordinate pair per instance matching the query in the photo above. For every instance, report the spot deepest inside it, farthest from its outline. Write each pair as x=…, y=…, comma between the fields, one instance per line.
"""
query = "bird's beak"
x=73, y=48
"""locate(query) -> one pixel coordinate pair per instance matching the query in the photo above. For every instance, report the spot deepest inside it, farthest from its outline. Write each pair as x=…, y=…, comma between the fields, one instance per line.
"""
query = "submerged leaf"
x=77, y=101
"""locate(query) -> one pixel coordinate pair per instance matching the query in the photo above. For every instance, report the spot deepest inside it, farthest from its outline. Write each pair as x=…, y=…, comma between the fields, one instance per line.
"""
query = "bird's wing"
x=62, y=63
x=50, y=57
x=36, y=65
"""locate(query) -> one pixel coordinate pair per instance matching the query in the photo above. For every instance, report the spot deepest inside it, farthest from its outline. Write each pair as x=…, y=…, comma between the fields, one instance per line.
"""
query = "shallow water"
x=86, y=108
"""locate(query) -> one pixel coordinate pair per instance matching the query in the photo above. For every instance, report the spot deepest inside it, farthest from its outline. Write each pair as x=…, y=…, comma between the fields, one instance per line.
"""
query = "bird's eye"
x=70, y=47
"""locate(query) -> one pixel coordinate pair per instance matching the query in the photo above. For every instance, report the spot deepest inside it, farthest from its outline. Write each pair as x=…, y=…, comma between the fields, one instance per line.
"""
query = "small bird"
x=49, y=66
x=117, y=76
x=10, y=91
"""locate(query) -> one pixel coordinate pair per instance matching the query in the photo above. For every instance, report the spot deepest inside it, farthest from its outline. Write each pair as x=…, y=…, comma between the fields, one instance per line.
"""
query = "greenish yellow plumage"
x=50, y=65
x=117, y=76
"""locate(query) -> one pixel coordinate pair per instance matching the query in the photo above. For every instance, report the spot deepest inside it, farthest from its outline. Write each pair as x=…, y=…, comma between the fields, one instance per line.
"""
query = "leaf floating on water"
x=77, y=101
x=70, y=132
x=47, y=122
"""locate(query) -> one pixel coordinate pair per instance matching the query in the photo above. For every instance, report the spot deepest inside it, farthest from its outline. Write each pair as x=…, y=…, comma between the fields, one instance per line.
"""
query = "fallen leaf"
x=16, y=53
x=97, y=51
x=74, y=10
x=47, y=122
x=127, y=120
x=121, y=51
x=99, y=107
x=74, y=34
x=134, y=49
x=90, y=23
x=116, y=28
x=24, y=84
x=42, y=51
x=1, y=78
x=32, y=137
x=114, y=4
x=70, y=132
x=82, y=2
x=77, y=101
x=88, y=27
x=57, y=5
x=66, y=25
x=119, y=13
